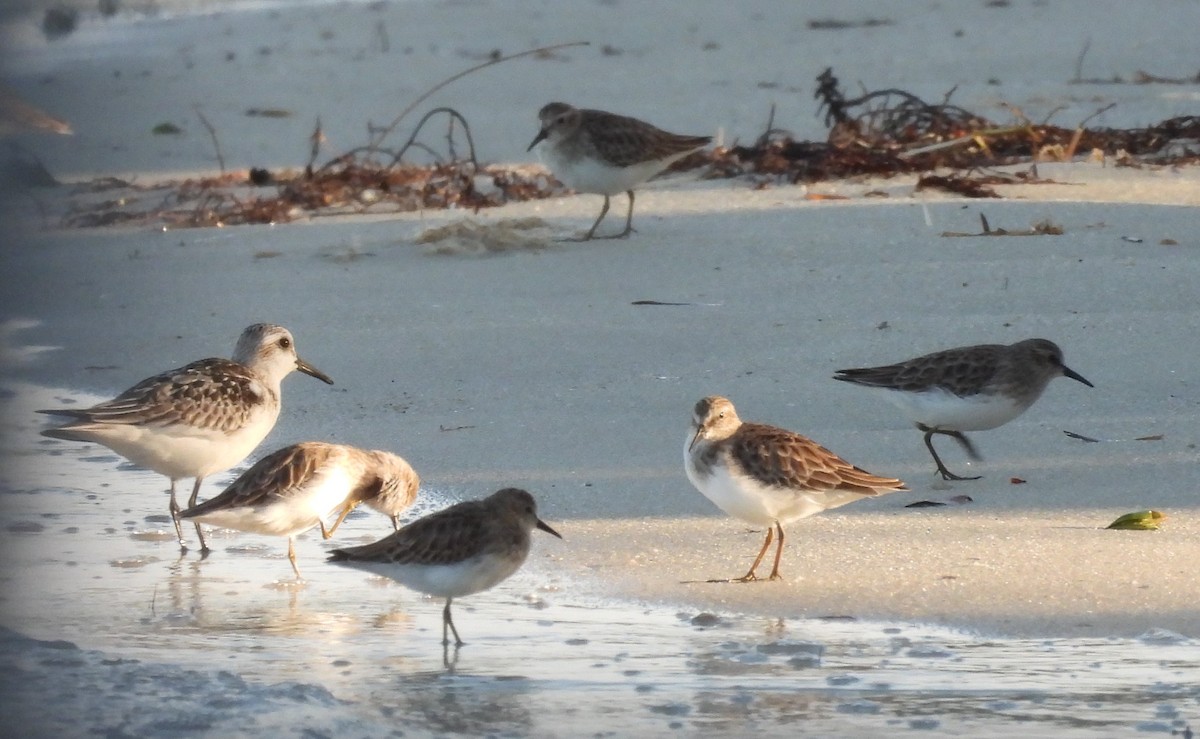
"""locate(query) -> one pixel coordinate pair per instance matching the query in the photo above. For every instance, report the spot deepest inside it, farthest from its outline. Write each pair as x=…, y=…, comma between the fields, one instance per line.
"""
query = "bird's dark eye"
x=285, y=343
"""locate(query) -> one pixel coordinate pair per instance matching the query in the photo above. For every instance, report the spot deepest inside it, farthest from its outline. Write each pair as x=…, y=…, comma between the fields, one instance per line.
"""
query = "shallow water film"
x=111, y=622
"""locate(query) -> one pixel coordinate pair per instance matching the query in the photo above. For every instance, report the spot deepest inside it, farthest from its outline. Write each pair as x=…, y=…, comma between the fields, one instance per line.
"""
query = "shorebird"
x=769, y=476
x=970, y=388
x=604, y=153
x=298, y=487
x=464, y=549
x=199, y=419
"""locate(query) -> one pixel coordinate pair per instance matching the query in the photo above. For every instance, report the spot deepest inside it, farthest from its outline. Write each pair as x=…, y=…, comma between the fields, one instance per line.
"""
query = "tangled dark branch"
x=882, y=133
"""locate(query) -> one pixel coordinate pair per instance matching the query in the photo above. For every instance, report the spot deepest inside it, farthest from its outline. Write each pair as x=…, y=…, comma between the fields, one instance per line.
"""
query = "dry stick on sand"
x=314, y=141
x=1078, y=78
x=1073, y=145
x=412, y=143
x=454, y=115
x=382, y=133
x=1044, y=228
x=213, y=133
x=387, y=130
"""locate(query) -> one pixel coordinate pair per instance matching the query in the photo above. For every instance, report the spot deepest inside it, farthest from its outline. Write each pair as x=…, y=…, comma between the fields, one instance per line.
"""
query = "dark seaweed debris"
x=891, y=132
x=365, y=179
x=879, y=133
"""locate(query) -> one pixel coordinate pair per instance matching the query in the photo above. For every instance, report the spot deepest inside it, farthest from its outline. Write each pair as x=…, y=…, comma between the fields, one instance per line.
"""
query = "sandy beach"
x=540, y=367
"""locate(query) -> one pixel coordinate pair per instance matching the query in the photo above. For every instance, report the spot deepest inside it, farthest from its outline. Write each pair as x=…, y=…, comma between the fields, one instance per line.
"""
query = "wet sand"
x=142, y=641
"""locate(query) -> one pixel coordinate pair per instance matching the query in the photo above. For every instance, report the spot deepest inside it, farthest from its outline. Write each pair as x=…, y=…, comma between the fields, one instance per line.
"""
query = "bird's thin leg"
x=395, y=521
x=326, y=533
x=175, y=518
x=778, y=553
x=592, y=231
x=292, y=557
x=628, y=222
x=192, y=504
x=628, y=218
x=945, y=473
x=750, y=576
x=447, y=621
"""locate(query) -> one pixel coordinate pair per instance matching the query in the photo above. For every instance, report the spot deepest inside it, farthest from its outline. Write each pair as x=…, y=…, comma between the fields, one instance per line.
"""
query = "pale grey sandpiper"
x=769, y=476
x=969, y=388
x=199, y=419
x=299, y=487
x=464, y=549
x=597, y=152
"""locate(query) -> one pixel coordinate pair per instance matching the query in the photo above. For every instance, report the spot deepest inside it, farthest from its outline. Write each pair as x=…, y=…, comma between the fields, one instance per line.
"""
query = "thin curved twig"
x=386, y=130
x=454, y=115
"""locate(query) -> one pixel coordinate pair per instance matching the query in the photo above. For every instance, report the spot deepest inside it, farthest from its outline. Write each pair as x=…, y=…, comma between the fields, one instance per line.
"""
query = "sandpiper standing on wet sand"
x=464, y=549
x=298, y=487
x=769, y=476
x=199, y=419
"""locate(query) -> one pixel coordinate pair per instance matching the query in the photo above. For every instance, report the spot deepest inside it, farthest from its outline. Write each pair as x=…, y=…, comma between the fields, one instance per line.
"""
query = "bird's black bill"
x=545, y=527
x=537, y=139
x=1068, y=372
x=312, y=371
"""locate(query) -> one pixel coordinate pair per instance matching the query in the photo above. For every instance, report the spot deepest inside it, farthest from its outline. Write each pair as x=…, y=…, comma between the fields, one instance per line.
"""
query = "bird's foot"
x=948, y=475
x=748, y=577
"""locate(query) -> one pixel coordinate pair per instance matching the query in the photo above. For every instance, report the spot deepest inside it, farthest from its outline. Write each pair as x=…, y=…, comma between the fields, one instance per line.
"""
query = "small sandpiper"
x=769, y=476
x=199, y=419
x=464, y=549
x=970, y=388
x=604, y=153
x=298, y=487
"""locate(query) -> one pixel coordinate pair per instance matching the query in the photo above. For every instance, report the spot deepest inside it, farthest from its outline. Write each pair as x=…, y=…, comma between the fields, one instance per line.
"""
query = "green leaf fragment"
x=1139, y=521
